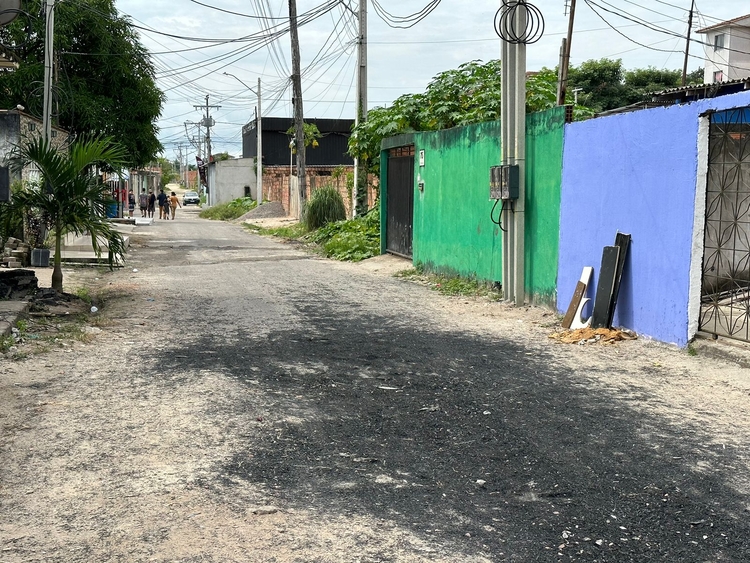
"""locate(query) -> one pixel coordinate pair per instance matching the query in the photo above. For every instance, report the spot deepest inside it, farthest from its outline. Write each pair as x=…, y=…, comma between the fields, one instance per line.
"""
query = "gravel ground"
x=245, y=401
x=268, y=210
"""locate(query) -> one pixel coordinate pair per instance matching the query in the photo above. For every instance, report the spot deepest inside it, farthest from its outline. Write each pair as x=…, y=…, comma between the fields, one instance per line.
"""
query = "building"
x=17, y=126
x=727, y=47
x=331, y=150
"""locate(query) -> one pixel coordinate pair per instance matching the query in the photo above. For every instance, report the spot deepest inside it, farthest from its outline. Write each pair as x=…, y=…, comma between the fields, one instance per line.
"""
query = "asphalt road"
x=470, y=430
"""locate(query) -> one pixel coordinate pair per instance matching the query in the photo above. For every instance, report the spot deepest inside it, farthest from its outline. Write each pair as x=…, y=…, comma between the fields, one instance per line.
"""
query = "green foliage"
x=295, y=231
x=106, y=82
x=605, y=84
x=169, y=173
x=230, y=210
x=324, y=206
x=451, y=284
x=462, y=96
x=312, y=134
x=353, y=240
x=221, y=156
x=73, y=198
x=12, y=217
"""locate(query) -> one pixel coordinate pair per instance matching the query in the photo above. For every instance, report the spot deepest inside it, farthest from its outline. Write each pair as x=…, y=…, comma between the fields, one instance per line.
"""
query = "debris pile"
x=587, y=335
x=17, y=284
x=15, y=253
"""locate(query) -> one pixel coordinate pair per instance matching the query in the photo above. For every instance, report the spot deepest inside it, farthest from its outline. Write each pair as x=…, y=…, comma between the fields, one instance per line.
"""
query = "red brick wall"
x=276, y=184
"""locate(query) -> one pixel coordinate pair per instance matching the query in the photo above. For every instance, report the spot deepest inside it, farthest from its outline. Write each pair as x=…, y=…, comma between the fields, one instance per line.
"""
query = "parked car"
x=191, y=197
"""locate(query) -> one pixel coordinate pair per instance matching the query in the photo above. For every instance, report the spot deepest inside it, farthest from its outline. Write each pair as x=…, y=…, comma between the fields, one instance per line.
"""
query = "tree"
x=468, y=94
x=605, y=84
x=106, y=79
x=601, y=83
x=221, y=156
x=312, y=134
x=72, y=198
x=169, y=172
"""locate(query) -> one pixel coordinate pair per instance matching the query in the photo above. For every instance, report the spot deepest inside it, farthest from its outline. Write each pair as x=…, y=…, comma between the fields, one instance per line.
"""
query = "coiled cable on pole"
x=508, y=15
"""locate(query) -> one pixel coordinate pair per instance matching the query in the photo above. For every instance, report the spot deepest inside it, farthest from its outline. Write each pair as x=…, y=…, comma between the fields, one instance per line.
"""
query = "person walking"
x=162, y=198
x=166, y=206
x=143, y=202
x=131, y=203
x=173, y=203
x=151, y=203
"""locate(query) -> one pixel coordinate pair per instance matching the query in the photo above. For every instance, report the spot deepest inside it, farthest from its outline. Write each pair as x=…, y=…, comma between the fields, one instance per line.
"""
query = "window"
x=719, y=76
x=718, y=41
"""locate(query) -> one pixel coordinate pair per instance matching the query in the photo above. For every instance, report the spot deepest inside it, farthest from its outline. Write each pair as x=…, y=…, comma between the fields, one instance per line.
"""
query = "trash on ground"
x=593, y=335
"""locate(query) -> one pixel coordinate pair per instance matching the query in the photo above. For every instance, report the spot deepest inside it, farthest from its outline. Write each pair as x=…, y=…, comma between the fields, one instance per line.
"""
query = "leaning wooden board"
x=573, y=307
x=605, y=286
x=622, y=241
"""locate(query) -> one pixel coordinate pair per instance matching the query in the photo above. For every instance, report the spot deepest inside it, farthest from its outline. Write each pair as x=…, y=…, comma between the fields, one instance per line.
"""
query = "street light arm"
x=241, y=82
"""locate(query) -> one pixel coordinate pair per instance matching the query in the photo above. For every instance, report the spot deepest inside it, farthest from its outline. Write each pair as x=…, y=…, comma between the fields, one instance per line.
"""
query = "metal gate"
x=400, y=201
x=725, y=289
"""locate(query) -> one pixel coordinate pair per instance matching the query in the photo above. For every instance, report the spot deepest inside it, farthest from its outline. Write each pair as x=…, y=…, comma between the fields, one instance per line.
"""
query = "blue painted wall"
x=635, y=173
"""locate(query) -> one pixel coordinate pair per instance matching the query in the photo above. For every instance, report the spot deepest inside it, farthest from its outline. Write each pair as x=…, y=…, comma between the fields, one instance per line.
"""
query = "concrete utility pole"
x=687, y=44
x=361, y=109
x=562, y=81
x=513, y=143
x=208, y=123
x=259, y=133
x=259, y=156
x=299, y=124
x=49, y=41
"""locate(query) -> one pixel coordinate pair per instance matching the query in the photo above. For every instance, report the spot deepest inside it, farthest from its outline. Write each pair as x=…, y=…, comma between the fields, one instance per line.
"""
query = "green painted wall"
x=453, y=232
x=544, y=151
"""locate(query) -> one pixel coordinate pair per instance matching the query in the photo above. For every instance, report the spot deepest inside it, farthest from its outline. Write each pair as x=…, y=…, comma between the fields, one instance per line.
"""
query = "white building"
x=727, y=47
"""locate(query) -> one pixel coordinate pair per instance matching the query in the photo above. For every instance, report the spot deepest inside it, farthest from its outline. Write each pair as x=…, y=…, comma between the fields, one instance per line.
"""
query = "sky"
x=193, y=42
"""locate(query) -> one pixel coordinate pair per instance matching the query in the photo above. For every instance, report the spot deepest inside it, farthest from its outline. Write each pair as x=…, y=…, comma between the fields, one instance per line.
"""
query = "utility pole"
x=562, y=80
x=208, y=123
x=49, y=41
x=259, y=134
x=361, y=109
x=299, y=129
x=259, y=155
x=687, y=45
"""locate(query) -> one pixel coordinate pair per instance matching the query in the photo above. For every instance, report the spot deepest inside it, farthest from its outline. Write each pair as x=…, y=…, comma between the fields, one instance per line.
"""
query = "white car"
x=191, y=197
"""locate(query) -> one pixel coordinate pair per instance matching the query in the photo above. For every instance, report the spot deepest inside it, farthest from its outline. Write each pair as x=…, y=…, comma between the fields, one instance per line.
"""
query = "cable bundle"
x=404, y=22
x=506, y=22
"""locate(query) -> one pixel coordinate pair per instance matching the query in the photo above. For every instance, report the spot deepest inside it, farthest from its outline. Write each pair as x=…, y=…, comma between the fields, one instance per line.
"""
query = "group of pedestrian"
x=147, y=202
x=167, y=204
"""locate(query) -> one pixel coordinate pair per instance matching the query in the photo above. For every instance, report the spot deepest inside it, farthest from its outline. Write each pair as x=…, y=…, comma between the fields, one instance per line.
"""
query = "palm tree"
x=72, y=197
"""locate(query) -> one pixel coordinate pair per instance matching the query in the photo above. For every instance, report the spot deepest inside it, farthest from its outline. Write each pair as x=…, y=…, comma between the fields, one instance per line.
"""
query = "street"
x=248, y=401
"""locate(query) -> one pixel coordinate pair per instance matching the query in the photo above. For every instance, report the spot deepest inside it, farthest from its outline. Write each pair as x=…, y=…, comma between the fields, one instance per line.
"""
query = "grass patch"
x=230, y=210
x=691, y=350
x=454, y=286
x=353, y=240
x=295, y=231
x=324, y=207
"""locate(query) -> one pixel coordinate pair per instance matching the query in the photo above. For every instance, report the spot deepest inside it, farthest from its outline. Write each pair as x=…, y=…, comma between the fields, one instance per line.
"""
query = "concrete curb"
x=9, y=313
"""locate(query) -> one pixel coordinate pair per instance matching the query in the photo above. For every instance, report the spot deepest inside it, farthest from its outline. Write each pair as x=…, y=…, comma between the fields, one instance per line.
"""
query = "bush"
x=325, y=206
x=230, y=210
x=353, y=240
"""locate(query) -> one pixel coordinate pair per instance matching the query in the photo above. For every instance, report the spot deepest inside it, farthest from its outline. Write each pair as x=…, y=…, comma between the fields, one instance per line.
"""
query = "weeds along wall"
x=637, y=173
x=453, y=232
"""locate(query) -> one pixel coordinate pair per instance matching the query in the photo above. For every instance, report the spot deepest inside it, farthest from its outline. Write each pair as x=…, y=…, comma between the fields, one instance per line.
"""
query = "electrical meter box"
x=504, y=182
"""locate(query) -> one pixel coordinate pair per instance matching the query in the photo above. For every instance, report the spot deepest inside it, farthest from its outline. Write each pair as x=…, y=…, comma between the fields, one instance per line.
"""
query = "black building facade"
x=331, y=150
